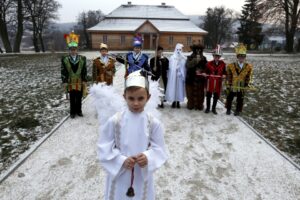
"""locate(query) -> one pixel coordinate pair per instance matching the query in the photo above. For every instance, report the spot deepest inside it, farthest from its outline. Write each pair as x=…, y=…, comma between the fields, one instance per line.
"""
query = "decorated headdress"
x=137, y=79
x=240, y=49
x=72, y=39
x=138, y=41
x=103, y=46
x=217, y=51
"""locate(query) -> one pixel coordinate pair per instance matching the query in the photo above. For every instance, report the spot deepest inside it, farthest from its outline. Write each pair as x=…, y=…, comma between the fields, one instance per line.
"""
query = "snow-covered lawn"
x=32, y=102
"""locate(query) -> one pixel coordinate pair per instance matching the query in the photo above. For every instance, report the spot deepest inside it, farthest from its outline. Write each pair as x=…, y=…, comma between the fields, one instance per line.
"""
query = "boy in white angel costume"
x=131, y=144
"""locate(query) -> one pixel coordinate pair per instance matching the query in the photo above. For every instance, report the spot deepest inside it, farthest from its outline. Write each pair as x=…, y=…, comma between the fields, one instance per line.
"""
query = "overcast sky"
x=70, y=8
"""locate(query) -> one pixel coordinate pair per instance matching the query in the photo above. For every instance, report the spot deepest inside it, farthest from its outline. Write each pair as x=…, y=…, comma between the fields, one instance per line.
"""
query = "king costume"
x=127, y=134
x=74, y=75
x=104, y=67
x=239, y=78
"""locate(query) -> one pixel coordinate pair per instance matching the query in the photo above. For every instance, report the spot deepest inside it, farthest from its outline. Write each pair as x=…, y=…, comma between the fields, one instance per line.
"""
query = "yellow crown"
x=72, y=39
x=240, y=49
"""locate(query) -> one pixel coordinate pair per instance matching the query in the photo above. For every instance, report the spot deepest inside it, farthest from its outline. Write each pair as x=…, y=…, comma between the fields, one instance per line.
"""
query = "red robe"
x=215, y=72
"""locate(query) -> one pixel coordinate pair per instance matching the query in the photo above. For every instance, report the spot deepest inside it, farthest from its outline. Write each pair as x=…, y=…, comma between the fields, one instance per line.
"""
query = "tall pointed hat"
x=218, y=51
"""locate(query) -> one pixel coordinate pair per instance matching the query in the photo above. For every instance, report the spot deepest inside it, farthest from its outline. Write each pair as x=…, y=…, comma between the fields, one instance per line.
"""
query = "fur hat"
x=196, y=47
x=103, y=46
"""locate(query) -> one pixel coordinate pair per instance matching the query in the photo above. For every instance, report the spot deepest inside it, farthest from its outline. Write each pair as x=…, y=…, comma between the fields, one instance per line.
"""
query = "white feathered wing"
x=108, y=101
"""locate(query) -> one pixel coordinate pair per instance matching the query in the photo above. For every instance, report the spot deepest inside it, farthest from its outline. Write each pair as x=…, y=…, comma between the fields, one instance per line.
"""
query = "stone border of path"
x=32, y=149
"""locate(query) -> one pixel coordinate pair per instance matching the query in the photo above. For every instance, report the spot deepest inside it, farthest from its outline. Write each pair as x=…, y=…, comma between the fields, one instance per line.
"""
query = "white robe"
x=132, y=139
x=176, y=79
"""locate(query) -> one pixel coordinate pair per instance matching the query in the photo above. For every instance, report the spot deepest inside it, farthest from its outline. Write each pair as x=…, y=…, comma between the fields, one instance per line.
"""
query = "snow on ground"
x=31, y=102
x=211, y=157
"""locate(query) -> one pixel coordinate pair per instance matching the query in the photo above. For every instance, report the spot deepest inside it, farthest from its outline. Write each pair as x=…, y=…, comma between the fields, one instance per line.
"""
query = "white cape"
x=176, y=79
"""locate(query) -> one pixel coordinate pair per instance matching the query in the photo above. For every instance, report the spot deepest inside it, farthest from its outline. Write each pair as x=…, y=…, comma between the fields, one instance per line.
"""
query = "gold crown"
x=240, y=49
x=72, y=39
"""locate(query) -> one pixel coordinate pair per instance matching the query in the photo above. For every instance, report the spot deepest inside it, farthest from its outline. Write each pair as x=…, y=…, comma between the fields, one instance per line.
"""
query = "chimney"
x=129, y=2
x=163, y=3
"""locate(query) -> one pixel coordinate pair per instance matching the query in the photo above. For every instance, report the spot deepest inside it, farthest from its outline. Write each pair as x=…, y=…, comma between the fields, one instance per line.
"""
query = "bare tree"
x=87, y=20
x=6, y=17
x=41, y=13
x=11, y=24
x=20, y=27
x=285, y=12
x=218, y=23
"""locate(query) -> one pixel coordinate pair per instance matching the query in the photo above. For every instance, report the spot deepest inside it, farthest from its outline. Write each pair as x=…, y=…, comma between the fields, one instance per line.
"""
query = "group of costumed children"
x=179, y=76
x=131, y=144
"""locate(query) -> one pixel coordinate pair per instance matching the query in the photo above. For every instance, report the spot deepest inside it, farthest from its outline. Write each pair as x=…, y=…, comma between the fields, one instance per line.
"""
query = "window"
x=171, y=40
x=123, y=40
x=189, y=40
x=105, y=39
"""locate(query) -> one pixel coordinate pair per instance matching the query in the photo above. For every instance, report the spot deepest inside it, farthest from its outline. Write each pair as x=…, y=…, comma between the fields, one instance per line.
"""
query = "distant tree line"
x=218, y=22
x=86, y=20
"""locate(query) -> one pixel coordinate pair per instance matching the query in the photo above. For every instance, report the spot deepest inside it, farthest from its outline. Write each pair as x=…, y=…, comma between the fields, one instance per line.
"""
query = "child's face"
x=103, y=52
x=241, y=58
x=136, y=99
x=137, y=49
x=217, y=58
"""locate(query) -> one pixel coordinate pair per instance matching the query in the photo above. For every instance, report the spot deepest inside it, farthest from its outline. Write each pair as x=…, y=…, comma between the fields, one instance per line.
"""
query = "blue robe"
x=135, y=64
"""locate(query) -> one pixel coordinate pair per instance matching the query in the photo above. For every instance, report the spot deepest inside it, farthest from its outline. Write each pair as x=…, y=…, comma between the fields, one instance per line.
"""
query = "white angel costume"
x=127, y=134
x=176, y=76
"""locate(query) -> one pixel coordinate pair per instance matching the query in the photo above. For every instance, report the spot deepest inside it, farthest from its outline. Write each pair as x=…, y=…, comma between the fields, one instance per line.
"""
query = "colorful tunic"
x=237, y=78
x=215, y=72
x=74, y=72
x=134, y=63
x=103, y=72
